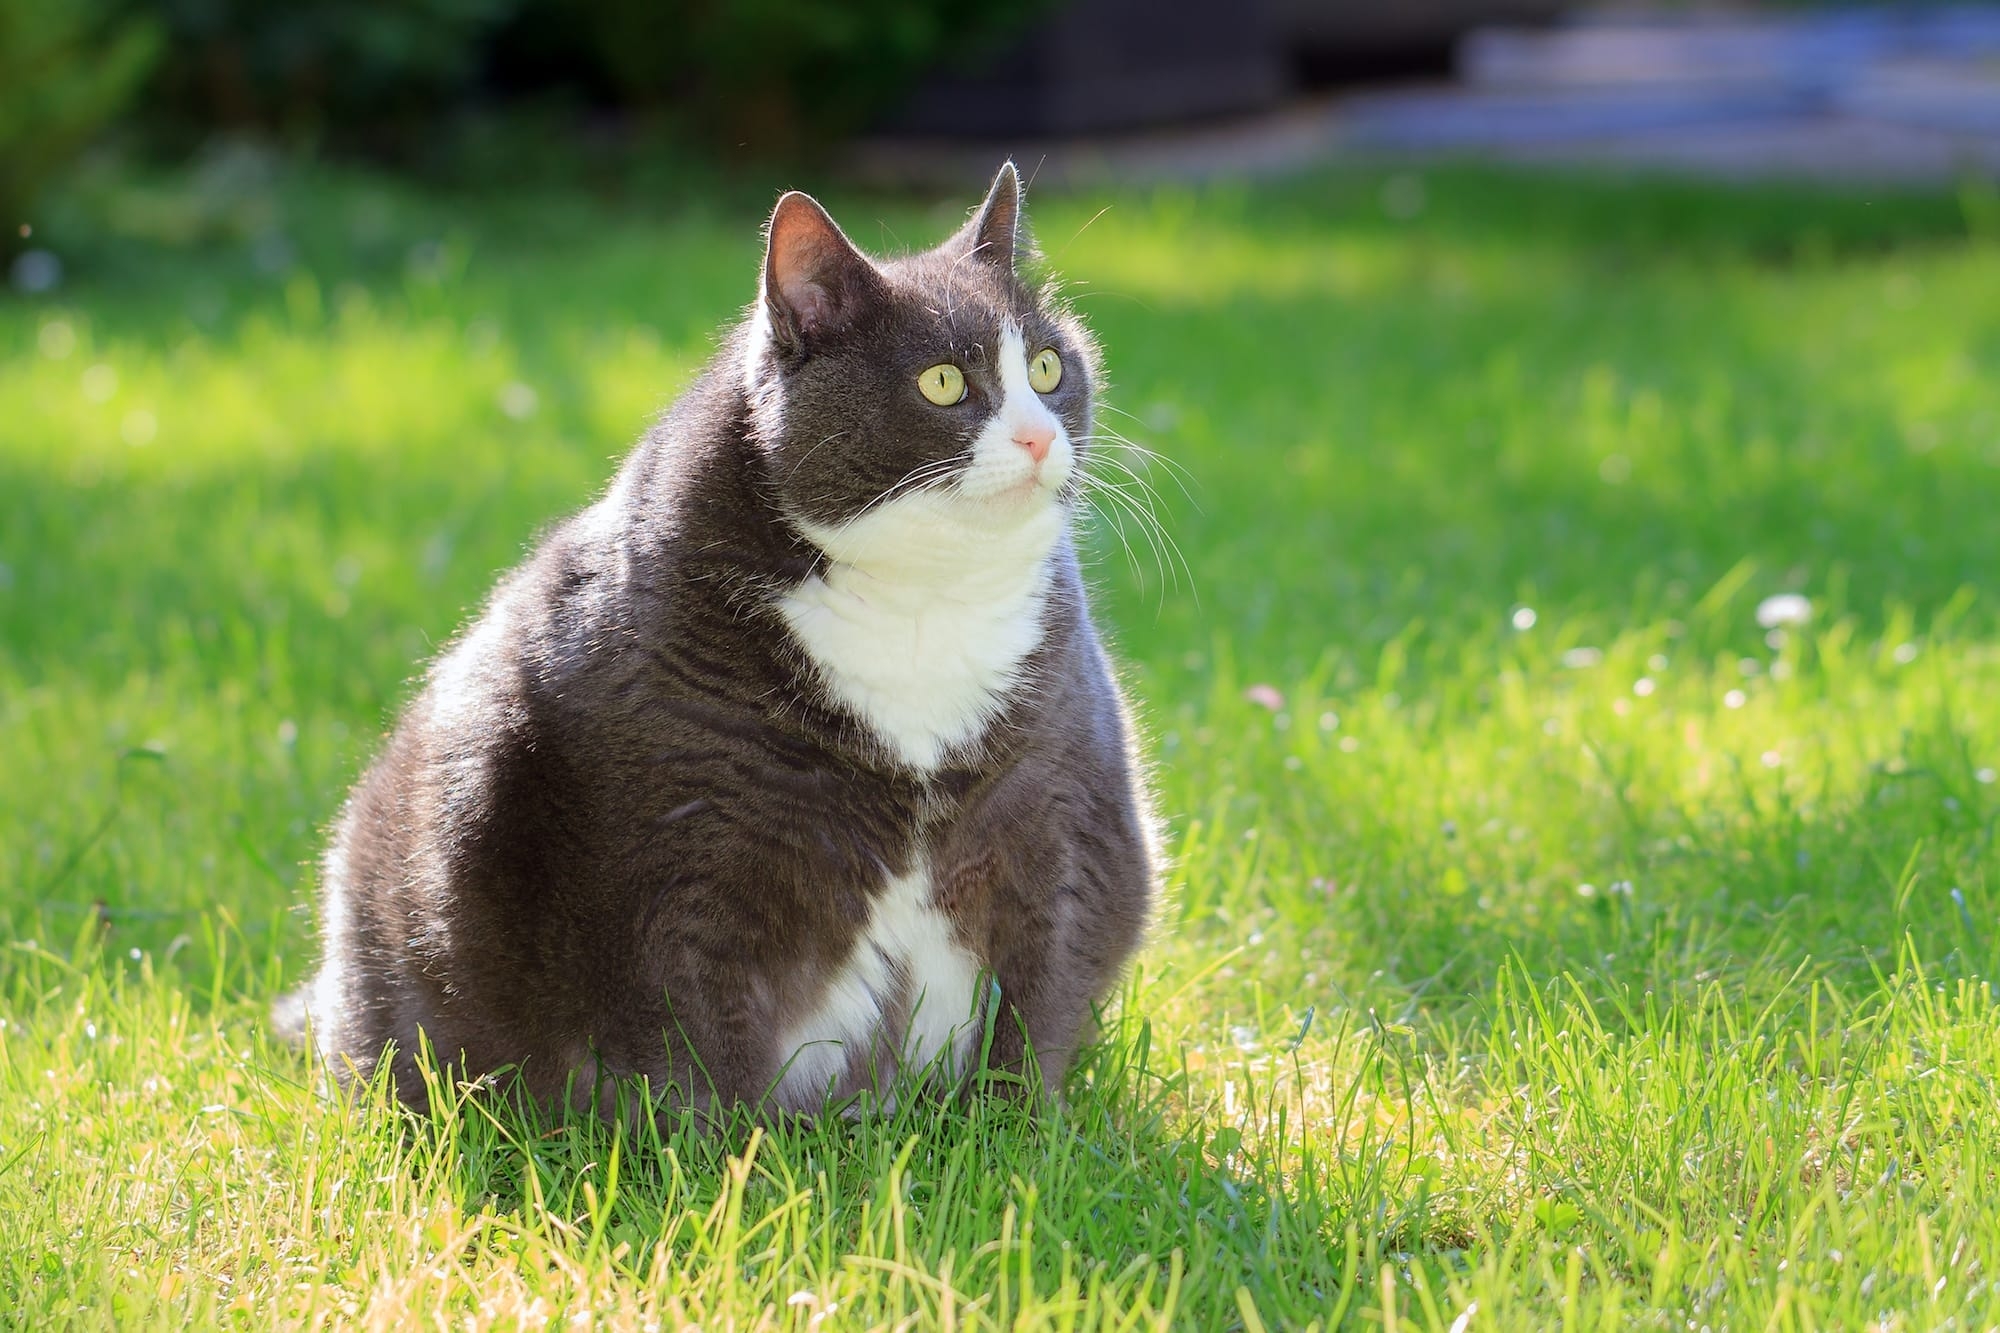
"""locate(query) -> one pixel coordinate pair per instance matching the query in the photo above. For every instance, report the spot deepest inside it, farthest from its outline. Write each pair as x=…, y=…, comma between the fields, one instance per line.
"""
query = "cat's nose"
x=1035, y=439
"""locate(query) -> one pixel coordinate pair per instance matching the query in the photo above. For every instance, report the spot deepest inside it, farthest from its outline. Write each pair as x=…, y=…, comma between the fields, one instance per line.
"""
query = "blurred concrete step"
x=1962, y=96
x=1806, y=53
x=1477, y=118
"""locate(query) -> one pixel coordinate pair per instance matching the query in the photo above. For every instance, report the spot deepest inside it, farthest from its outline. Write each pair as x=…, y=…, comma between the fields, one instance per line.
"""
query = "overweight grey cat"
x=792, y=769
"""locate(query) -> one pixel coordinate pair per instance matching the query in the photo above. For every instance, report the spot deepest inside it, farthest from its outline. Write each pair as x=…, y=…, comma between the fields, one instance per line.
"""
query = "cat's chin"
x=1011, y=504
x=1020, y=495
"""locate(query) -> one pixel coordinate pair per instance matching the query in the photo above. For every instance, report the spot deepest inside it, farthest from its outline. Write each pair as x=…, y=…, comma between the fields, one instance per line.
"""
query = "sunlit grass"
x=1544, y=934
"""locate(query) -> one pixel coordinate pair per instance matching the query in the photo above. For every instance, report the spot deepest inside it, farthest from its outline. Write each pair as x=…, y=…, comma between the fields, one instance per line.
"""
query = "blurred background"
x=912, y=91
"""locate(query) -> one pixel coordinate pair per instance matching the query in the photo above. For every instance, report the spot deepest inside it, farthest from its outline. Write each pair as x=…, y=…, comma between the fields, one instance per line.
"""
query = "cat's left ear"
x=994, y=233
x=815, y=281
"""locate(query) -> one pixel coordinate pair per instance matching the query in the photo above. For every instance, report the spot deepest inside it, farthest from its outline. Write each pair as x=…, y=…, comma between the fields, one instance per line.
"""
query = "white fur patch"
x=906, y=939
x=928, y=603
x=322, y=996
x=460, y=679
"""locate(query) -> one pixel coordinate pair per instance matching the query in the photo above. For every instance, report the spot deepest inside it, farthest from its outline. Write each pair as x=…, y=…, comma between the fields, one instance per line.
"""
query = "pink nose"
x=1036, y=440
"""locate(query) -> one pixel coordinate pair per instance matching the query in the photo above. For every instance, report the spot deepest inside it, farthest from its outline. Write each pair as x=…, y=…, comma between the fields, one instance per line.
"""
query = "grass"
x=1548, y=943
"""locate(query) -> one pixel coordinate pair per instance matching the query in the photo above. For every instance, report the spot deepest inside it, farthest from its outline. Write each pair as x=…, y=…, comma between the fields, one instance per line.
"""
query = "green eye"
x=943, y=384
x=1045, y=371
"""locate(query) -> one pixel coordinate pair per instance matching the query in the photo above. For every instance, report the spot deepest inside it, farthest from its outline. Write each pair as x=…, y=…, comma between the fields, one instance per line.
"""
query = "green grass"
x=1629, y=968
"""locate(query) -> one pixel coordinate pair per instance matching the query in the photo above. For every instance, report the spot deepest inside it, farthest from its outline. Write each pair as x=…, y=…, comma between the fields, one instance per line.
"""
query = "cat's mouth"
x=1013, y=499
x=1046, y=482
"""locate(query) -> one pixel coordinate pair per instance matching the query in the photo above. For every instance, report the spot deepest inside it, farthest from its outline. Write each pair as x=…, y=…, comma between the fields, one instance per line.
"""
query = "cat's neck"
x=921, y=627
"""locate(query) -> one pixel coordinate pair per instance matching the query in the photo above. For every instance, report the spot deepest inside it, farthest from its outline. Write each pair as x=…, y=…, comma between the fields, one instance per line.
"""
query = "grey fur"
x=626, y=830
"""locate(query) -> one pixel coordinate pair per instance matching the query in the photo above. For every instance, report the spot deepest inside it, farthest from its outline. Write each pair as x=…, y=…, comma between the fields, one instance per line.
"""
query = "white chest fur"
x=929, y=602
x=906, y=998
x=925, y=654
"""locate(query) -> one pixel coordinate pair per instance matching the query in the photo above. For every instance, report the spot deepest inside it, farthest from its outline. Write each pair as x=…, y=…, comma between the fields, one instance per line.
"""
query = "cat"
x=792, y=771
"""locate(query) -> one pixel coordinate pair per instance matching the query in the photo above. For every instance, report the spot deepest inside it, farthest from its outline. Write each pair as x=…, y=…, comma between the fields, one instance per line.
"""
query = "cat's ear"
x=815, y=281
x=993, y=235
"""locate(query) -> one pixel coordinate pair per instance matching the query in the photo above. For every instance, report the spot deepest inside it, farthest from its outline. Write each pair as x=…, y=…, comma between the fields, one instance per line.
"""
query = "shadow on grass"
x=972, y=1199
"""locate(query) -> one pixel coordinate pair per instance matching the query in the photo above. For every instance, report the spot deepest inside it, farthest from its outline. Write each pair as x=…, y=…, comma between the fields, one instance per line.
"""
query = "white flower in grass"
x=1785, y=608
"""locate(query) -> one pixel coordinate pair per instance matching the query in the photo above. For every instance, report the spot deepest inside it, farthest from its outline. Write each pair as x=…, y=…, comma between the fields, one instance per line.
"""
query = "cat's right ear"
x=815, y=281
x=993, y=236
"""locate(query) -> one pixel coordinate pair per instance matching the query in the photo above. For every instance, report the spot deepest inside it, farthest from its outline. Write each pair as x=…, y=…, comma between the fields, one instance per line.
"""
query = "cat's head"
x=940, y=386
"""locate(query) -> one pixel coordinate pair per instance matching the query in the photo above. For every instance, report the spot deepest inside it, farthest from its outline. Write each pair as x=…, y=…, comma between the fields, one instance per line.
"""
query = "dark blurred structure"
x=1907, y=92
x=1095, y=66
x=1342, y=42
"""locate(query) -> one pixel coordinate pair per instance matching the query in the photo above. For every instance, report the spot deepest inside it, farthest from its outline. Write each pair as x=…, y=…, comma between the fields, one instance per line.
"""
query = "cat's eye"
x=1045, y=371
x=943, y=384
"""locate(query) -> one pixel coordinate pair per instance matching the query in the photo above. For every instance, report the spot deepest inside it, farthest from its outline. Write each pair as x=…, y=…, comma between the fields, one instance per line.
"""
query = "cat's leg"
x=1079, y=932
x=1051, y=879
x=1035, y=1026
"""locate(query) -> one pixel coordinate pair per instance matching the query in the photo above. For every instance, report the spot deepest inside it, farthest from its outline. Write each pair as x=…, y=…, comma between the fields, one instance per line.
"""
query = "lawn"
x=1547, y=942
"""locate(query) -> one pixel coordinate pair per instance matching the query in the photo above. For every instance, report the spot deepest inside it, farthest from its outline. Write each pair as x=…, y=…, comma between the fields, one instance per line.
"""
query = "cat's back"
x=597, y=600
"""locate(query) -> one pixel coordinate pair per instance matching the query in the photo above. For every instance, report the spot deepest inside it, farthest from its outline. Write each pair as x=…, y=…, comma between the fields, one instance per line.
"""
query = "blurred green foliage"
x=306, y=66
x=465, y=87
x=66, y=70
x=769, y=75
x=777, y=74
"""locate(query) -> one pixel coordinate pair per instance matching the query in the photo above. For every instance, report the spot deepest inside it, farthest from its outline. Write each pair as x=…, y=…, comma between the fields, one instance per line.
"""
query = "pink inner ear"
x=812, y=303
x=803, y=257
